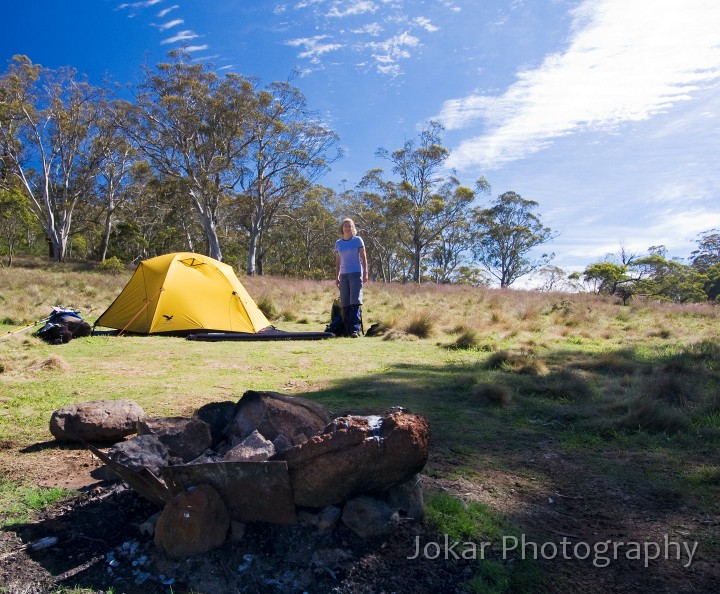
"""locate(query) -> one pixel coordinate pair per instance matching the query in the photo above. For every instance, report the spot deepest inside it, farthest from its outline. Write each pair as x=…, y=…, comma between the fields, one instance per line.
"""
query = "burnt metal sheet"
x=252, y=491
x=143, y=481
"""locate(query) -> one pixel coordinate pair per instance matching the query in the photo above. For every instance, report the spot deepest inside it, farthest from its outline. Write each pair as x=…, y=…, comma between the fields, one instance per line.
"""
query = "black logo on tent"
x=168, y=318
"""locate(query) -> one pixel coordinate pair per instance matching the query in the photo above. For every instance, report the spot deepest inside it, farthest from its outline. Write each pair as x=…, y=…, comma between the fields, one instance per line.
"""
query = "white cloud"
x=425, y=24
x=391, y=50
x=372, y=29
x=196, y=48
x=627, y=60
x=314, y=48
x=181, y=36
x=170, y=24
x=352, y=8
x=165, y=11
x=145, y=4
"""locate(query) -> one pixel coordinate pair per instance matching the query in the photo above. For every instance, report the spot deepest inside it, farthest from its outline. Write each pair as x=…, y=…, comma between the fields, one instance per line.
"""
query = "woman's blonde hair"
x=352, y=226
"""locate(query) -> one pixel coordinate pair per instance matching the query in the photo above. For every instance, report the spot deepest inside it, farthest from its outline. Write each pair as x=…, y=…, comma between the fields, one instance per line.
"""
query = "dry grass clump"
x=422, y=326
x=53, y=363
x=654, y=417
x=467, y=339
x=399, y=335
x=521, y=362
x=565, y=384
x=491, y=393
x=669, y=388
x=622, y=362
x=266, y=304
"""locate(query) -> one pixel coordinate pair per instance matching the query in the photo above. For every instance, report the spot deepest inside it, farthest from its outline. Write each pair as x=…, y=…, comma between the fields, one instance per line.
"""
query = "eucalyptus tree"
x=302, y=245
x=426, y=201
x=121, y=174
x=194, y=128
x=47, y=133
x=370, y=205
x=508, y=232
x=288, y=150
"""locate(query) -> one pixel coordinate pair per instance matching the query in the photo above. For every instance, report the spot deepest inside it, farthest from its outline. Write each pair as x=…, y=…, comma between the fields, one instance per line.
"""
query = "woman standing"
x=351, y=271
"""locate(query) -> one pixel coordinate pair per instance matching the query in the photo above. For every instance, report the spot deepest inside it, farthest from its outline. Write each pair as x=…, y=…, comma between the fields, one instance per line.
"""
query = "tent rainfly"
x=180, y=293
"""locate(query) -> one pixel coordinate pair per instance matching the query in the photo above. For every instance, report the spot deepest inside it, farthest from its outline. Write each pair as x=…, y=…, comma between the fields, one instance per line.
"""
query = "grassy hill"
x=553, y=415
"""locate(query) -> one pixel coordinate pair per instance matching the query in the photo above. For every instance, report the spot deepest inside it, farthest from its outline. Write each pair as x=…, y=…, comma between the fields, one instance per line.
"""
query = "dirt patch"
x=102, y=544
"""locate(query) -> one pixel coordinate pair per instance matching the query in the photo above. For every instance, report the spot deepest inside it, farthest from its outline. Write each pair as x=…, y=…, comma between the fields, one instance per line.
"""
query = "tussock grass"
x=421, y=325
x=494, y=394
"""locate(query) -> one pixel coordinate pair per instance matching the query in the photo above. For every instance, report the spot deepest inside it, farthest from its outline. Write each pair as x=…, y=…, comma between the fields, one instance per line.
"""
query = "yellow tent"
x=182, y=292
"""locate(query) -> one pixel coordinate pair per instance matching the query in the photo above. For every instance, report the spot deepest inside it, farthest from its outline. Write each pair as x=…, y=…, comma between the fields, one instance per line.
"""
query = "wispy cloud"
x=181, y=36
x=426, y=24
x=196, y=48
x=387, y=53
x=163, y=13
x=170, y=24
x=144, y=4
x=315, y=47
x=372, y=29
x=626, y=60
x=352, y=8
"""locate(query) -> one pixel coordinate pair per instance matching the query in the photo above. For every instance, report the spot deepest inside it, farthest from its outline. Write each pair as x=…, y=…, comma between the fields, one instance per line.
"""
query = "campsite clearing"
x=563, y=417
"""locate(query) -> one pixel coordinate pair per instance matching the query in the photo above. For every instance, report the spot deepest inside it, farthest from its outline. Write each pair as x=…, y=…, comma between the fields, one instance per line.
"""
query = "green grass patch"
x=19, y=502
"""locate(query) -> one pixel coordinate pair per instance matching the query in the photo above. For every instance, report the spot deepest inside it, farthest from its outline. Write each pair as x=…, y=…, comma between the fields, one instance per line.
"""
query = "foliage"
x=16, y=221
x=508, y=232
x=111, y=266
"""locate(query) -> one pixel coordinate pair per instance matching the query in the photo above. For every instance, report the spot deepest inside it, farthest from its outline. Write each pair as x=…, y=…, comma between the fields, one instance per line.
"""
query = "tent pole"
x=138, y=313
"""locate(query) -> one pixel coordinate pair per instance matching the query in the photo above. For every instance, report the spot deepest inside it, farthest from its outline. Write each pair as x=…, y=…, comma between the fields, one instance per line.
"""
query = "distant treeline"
x=193, y=161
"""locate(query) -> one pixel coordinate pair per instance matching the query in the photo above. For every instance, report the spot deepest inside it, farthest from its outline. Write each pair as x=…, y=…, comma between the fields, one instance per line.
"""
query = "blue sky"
x=605, y=112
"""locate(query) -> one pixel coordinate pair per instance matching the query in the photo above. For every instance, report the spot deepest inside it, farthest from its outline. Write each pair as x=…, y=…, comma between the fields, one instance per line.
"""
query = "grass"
x=509, y=380
x=19, y=501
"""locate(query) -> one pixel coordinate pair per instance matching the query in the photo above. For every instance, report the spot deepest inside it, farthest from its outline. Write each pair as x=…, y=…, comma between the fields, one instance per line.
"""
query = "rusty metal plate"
x=252, y=491
x=143, y=481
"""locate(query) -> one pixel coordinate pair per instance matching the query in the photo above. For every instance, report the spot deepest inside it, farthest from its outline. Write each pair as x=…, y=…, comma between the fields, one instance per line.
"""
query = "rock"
x=367, y=516
x=237, y=530
x=184, y=438
x=282, y=443
x=407, y=498
x=357, y=455
x=142, y=451
x=193, y=522
x=328, y=518
x=218, y=416
x=100, y=420
x=274, y=414
x=254, y=448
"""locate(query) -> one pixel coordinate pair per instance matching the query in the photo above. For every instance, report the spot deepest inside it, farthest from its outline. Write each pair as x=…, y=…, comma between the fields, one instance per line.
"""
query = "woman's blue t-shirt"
x=349, y=250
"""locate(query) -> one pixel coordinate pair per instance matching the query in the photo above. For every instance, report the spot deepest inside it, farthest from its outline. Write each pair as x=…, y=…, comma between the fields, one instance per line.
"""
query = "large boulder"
x=357, y=455
x=184, y=438
x=273, y=414
x=96, y=421
x=194, y=521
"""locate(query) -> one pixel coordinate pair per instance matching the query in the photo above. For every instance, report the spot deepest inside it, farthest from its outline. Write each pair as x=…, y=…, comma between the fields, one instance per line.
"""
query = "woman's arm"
x=363, y=261
x=337, y=269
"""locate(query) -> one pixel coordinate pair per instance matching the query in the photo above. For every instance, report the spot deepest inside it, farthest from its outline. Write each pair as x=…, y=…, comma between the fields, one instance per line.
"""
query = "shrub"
x=112, y=266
